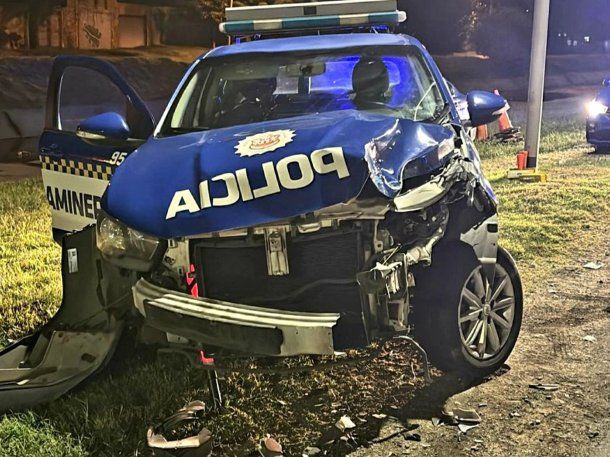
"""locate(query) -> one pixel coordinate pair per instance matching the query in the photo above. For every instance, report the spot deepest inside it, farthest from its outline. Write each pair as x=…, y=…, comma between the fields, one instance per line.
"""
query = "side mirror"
x=606, y=82
x=485, y=107
x=107, y=129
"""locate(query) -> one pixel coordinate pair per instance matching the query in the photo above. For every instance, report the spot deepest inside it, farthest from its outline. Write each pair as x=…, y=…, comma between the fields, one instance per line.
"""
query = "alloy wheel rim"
x=486, y=313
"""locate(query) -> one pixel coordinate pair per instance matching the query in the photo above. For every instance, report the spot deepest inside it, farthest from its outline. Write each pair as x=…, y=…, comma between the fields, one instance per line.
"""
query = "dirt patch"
x=18, y=171
x=565, y=340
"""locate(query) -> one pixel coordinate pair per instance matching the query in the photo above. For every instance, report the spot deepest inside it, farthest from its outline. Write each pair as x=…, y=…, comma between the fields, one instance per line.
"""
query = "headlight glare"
x=595, y=108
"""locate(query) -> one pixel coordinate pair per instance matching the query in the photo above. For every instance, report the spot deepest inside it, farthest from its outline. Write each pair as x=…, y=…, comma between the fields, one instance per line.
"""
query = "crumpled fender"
x=204, y=182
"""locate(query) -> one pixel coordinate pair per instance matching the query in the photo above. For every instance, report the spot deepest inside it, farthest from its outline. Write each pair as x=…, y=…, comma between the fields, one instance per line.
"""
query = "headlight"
x=445, y=148
x=124, y=246
x=595, y=108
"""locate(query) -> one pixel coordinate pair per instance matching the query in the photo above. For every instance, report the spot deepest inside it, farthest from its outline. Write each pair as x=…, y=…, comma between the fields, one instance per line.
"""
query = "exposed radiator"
x=235, y=270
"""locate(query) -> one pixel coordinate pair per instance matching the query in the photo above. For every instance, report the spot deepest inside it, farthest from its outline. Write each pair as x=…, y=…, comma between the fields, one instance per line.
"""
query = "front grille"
x=235, y=270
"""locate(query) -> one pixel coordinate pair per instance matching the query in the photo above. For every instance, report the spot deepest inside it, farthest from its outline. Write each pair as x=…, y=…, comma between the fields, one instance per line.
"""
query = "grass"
x=543, y=225
x=27, y=435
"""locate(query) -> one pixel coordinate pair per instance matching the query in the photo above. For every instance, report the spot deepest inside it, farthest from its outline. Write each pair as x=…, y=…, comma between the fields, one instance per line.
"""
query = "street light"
x=536, y=82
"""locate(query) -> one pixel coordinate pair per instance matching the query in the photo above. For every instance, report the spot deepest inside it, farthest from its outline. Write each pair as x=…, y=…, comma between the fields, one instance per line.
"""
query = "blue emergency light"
x=311, y=16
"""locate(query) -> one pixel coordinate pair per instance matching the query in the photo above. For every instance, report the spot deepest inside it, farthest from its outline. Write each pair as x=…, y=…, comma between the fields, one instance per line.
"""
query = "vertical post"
x=536, y=81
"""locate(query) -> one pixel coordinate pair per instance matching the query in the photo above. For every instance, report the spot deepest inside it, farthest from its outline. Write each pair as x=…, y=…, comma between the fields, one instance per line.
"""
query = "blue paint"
x=484, y=107
x=109, y=125
x=144, y=185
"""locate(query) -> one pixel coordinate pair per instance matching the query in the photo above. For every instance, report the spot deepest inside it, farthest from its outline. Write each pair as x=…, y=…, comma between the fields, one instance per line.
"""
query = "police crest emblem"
x=264, y=142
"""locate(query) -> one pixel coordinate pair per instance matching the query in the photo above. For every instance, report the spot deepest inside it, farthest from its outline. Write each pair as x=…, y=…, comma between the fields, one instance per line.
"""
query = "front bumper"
x=244, y=328
x=598, y=130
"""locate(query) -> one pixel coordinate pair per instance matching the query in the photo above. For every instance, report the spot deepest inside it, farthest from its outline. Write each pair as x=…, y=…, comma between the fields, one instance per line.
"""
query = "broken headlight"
x=126, y=247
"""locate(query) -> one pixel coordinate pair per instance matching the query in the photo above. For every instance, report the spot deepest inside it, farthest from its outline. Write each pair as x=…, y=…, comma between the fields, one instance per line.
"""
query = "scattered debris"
x=509, y=135
x=469, y=416
x=412, y=436
x=589, y=338
x=593, y=265
x=380, y=416
x=535, y=423
x=544, y=387
x=312, y=451
x=436, y=421
x=514, y=414
x=345, y=423
x=269, y=447
x=178, y=424
x=482, y=405
x=464, y=428
x=593, y=434
x=448, y=417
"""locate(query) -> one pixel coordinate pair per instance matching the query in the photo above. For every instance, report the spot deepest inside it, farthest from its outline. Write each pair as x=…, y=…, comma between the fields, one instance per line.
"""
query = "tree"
x=505, y=32
x=437, y=23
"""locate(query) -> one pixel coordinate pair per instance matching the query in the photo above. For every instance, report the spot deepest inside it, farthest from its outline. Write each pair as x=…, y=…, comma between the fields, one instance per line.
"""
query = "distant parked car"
x=598, y=119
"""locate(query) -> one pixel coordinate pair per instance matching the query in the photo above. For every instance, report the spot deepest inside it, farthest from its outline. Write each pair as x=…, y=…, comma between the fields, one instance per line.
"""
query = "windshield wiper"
x=180, y=130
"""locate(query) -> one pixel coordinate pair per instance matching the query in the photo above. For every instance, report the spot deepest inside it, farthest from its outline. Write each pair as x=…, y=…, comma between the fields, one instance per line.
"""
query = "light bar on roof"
x=303, y=16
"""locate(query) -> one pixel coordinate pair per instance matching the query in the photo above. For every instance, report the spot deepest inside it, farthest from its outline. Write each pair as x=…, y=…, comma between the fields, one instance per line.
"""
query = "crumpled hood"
x=235, y=177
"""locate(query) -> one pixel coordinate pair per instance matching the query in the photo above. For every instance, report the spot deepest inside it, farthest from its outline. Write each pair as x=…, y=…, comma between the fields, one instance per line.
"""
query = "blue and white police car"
x=308, y=189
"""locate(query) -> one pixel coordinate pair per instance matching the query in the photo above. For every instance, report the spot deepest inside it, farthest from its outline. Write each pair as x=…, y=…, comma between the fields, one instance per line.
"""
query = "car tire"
x=443, y=300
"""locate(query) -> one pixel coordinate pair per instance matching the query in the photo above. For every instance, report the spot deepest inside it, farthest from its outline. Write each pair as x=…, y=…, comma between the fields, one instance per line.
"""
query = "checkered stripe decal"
x=73, y=167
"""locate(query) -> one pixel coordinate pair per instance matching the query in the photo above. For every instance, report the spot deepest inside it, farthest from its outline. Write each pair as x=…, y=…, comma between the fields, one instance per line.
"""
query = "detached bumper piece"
x=199, y=445
x=38, y=369
x=76, y=343
x=244, y=328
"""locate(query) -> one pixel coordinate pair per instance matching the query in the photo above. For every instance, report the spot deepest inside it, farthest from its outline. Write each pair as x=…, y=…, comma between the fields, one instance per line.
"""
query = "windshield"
x=245, y=89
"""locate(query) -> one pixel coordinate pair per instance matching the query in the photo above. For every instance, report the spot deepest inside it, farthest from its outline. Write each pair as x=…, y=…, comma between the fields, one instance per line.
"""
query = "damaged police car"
x=299, y=195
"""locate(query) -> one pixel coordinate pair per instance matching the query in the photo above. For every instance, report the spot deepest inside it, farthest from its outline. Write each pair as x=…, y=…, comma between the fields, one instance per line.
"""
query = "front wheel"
x=465, y=322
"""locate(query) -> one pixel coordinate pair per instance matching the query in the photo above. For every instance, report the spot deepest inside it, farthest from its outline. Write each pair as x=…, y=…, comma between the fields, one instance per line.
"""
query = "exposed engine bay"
x=349, y=265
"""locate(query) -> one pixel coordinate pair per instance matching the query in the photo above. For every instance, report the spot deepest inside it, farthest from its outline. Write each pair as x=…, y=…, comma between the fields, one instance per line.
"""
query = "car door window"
x=84, y=93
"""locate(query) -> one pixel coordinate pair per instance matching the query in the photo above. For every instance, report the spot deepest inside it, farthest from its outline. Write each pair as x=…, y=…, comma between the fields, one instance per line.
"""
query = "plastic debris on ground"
x=593, y=265
x=312, y=451
x=345, y=423
x=511, y=135
x=269, y=447
x=464, y=428
x=545, y=387
x=174, y=436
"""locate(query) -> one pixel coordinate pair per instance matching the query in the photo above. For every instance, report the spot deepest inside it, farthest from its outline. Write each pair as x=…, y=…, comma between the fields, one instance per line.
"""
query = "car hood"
x=258, y=173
